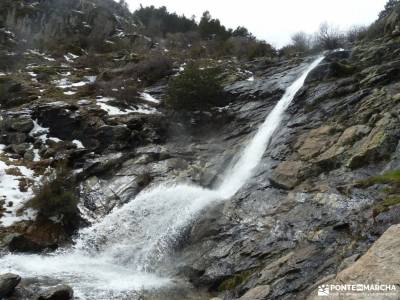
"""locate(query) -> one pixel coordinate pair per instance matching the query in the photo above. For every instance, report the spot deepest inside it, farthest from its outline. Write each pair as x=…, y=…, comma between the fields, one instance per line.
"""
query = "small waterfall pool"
x=120, y=254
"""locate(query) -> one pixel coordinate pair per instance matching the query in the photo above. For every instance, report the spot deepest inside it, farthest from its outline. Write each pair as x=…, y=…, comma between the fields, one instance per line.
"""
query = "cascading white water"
x=121, y=253
x=237, y=176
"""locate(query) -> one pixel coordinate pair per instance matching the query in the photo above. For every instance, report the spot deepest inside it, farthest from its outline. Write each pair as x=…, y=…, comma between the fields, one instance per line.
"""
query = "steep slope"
x=87, y=98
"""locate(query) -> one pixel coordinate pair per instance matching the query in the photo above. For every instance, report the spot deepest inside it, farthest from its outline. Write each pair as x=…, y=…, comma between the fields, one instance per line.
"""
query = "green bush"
x=56, y=195
x=195, y=89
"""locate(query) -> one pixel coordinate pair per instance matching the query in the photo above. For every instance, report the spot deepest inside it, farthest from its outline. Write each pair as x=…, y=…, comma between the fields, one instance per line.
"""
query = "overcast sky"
x=276, y=20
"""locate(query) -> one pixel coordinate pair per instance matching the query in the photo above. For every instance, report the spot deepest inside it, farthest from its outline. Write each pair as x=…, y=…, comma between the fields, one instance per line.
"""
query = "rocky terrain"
x=72, y=90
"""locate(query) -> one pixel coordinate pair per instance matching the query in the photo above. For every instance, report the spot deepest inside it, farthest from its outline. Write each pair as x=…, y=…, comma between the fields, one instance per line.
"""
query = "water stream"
x=122, y=252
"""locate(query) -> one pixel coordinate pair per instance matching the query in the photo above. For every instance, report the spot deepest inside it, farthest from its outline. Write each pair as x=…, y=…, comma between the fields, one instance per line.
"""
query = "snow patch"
x=12, y=195
x=78, y=144
x=115, y=111
x=42, y=133
x=70, y=57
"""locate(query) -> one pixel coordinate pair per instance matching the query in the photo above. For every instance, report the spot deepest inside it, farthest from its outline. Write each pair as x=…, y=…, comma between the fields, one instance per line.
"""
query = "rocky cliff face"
x=72, y=24
x=304, y=212
x=307, y=213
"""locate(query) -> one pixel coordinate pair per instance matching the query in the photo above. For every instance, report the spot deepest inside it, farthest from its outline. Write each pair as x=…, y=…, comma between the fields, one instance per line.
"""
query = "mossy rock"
x=392, y=191
x=387, y=203
x=235, y=280
x=340, y=69
x=389, y=177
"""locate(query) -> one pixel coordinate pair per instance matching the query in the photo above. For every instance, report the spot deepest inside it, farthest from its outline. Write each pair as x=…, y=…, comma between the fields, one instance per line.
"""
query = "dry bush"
x=56, y=195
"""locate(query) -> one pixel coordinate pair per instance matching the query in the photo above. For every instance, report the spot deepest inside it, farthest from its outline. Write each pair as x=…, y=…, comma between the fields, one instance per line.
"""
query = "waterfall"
x=236, y=176
x=122, y=252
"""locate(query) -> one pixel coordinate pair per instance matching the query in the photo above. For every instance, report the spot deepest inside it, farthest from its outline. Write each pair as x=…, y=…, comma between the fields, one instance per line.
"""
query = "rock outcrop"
x=8, y=282
x=378, y=266
x=60, y=292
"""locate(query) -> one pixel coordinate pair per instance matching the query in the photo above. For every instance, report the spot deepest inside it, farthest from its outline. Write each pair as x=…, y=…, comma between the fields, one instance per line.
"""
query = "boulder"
x=338, y=55
x=20, y=149
x=8, y=282
x=379, y=144
x=21, y=124
x=315, y=142
x=379, y=265
x=334, y=154
x=14, y=138
x=289, y=174
x=258, y=293
x=21, y=243
x=60, y=292
x=353, y=133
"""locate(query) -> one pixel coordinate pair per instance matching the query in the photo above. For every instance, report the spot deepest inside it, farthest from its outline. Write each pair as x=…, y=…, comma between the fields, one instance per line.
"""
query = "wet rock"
x=60, y=292
x=338, y=55
x=29, y=155
x=258, y=293
x=20, y=123
x=353, y=133
x=378, y=265
x=288, y=174
x=20, y=149
x=115, y=136
x=379, y=144
x=15, y=138
x=24, y=244
x=315, y=142
x=348, y=261
x=13, y=93
x=8, y=282
x=330, y=70
x=331, y=157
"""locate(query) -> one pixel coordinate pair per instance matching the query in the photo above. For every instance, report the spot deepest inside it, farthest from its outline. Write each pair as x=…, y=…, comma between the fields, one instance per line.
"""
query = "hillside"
x=147, y=156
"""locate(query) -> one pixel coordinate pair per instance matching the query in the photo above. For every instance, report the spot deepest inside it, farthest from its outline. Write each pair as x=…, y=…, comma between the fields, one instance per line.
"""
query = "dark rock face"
x=14, y=93
x=60, y=292
x=286, y=227
x=8, y=282
x=72, y=23
x=21, y=243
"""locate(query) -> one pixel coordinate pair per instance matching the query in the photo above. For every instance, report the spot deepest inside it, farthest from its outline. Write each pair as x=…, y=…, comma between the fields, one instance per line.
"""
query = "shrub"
x=124, y=90
x=389, y=7
x=329, y=37
x=153, y=68
x=356, y=33
x=150, y=70
x=195, y=89
x=56, y=195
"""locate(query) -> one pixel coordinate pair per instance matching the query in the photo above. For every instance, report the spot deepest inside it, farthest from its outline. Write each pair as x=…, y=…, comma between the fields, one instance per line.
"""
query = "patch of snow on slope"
x=78, y=144
x=115, y=111
x=15, y=198
x=42, y=133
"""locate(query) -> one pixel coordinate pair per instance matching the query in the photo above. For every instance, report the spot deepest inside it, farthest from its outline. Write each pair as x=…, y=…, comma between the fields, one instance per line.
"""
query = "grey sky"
x=276, y=20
